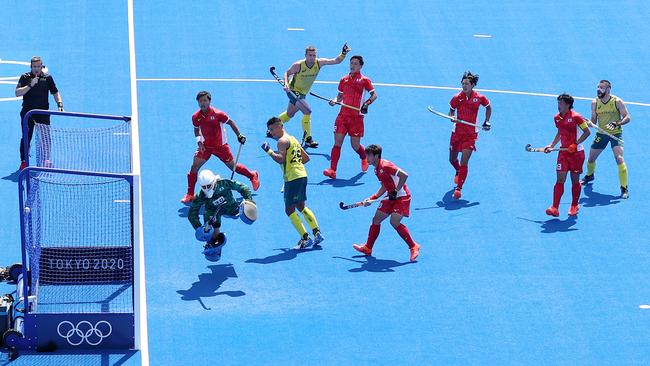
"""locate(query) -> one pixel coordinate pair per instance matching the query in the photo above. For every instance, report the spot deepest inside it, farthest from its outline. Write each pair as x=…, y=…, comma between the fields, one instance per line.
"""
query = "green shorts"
x=295, y=191
x=601, y=141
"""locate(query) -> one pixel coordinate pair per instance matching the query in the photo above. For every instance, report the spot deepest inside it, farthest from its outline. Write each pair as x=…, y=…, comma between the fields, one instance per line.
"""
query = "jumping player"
x=292, y=157
x=209, y=129
x=350, y=121
x=570, y=160
x=303, y=73
x=396, y=205
x=464, y=106
x=216, y=195
x=610, y=113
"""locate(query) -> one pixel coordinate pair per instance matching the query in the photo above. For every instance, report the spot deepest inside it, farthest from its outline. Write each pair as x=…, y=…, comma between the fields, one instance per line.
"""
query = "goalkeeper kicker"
x=217, y=197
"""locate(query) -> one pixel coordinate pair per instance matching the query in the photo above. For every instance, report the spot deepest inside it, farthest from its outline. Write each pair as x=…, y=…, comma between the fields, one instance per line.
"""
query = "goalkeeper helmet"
x=208, y=180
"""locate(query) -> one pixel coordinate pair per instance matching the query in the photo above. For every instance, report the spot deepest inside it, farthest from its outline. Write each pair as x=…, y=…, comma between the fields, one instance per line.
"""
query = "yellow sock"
x=311, y=219
x=284, y=117
x=622, y=174
x=306, y=124
x=297, y=223
x=591, y=167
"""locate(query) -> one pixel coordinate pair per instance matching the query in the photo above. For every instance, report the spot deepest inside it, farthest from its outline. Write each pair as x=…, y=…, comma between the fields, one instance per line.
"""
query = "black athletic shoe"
x=587, y=179
x=309, y=142
x=624, y=193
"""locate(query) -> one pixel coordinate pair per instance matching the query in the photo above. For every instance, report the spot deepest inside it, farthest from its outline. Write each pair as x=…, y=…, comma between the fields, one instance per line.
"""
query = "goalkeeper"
x=216, y=195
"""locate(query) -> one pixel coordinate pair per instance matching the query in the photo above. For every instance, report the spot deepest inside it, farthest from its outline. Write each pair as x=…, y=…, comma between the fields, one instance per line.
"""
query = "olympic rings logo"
x=84, y=331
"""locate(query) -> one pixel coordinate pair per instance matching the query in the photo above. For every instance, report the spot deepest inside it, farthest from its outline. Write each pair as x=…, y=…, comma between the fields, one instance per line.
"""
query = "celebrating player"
x=352, y=88
x=610, y=113
x=396, y=205
x=464, y=106
x=292, y=157
x=216, y=195
x=209, y=129
x=570, y=160
x=303, y=73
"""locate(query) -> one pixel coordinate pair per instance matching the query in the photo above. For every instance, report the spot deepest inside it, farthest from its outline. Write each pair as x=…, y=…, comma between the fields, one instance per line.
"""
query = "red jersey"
x=467, y=110
x=386, y=172
x=568, y=126
x=353, y=87
x=212, y=125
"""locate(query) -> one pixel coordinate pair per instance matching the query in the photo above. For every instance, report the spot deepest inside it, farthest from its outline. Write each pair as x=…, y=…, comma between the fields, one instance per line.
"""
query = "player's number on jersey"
x=296, y=156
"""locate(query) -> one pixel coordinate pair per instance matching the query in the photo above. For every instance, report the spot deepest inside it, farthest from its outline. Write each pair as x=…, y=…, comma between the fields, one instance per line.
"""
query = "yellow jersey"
x=302, y=81
x=608, y=112
x=293, y=167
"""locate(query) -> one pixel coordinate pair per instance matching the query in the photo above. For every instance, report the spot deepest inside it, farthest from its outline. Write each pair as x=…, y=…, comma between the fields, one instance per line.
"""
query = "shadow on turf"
x=594, y=199
x=326, y=156
x=209, y=283
x=449, y=203
x=337, y=183
x=285, y=254
x=12, y=177
x=372, y=264
x=555, y=225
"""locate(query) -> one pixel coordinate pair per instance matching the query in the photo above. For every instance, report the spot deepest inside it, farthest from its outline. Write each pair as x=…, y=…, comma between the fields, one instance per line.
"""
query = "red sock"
x=191, y=182
x=462, y=175
x=336, y=155
x=362, y=152
x=456, y=165
x=403, y=231
x=373, y=233
x=575, y=193
x=241, y=169
x=558, y=190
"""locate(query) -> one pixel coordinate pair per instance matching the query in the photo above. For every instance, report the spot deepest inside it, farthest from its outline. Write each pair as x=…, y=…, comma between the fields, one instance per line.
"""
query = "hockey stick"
x=591, y=124
x=343, y=206
x=339, y=103
x=236, y=160
x=272, y=70
x=529, y=148
x=455, y=120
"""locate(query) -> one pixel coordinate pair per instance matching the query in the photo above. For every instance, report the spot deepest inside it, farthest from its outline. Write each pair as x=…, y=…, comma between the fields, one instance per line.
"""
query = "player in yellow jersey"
x=303, y=73
x=609, y=113
x=292, y=157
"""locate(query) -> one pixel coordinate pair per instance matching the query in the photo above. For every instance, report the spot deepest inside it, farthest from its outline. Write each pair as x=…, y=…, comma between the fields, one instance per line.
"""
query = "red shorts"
x=400, y=206
x=460, y=142
x=350, y=124
x=222, y=152
x=570, y=162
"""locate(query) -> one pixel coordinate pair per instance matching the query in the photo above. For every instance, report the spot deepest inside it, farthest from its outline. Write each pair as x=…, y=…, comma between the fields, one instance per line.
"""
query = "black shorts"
x=295, y=191
x=293, y=99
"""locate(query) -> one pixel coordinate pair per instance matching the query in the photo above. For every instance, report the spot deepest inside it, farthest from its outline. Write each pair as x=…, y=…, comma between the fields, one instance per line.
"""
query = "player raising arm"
x=298, y=80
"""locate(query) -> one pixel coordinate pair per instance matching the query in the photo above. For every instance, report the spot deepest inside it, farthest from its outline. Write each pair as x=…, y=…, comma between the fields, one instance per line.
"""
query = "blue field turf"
x=497, y=281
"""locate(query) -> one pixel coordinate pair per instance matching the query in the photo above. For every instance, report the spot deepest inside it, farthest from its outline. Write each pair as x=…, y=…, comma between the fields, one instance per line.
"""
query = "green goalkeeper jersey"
x=223, y=188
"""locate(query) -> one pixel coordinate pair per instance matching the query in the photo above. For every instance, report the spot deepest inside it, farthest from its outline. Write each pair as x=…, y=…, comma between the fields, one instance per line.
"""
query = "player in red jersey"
x=210, y=131
x=396, y=205
x=464, y=106
x=350, y=121
x=570, y=160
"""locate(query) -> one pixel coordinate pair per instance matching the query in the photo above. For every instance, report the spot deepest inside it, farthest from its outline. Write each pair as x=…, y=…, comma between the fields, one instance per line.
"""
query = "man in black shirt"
x=33, y=87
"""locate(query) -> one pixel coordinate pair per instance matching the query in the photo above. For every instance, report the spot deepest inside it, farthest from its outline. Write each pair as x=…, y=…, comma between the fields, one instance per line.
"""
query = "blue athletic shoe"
x=304, y=244
x=318, y=238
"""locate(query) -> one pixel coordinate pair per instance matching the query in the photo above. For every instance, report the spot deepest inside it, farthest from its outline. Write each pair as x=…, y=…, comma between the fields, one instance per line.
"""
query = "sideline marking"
x=483, y=36
x=644, y=306
x=414, y=86
x=11, y=80
x=295, y=29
